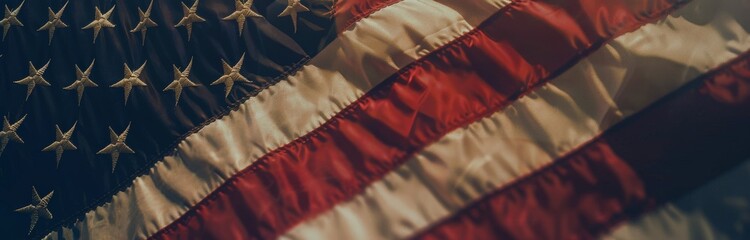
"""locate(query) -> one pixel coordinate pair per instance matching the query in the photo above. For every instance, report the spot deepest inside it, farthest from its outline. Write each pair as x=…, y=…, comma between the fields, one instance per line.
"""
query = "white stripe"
x=616, y=81
x=719, y=210
x=357, y=60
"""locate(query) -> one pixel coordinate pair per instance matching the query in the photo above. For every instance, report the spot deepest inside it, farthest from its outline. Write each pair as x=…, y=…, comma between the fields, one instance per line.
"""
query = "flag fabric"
x=375, y=119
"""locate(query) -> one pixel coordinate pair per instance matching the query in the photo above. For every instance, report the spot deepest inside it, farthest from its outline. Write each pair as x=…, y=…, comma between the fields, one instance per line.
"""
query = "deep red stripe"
x=470, y=78
x=348, y=12
x=661, y=153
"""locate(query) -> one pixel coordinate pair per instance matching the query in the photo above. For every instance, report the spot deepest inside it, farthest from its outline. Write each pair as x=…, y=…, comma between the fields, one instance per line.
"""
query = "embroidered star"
x=116, y=146
x=54, y=22
x=231, y=74
x=37, y=207
x=131, y=78
x=35, y=77
x=11, y=19
x=242, y=12
x=144, y=23
x=100, y=21
x=82, y=82
x=190, y=17
x=292, y=8
x=10, y=132
x=181, y=80
x=62, y=142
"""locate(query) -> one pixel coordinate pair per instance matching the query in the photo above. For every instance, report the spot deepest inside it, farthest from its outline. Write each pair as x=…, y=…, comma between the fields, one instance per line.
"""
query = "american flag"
x=375, y=119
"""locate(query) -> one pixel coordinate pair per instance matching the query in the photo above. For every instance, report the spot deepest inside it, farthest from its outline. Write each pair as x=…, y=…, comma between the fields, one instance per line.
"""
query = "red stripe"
x=669, y=149
x=470, y=78
x=348, y=12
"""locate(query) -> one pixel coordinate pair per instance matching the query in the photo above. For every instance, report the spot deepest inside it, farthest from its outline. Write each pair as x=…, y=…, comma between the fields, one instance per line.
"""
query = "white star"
x=62, y=142
x=54, y=22
x=292, y=8
x=35, y=77
x=131, y=78
x=100, y=21
x=82, y=82
x=190, y=17
x=242, y=12
x=9, y=132
x=11, y=19
x=116, y=146
x=144, y=23
x=37, y=207
x=231, y=75
x=181, y=80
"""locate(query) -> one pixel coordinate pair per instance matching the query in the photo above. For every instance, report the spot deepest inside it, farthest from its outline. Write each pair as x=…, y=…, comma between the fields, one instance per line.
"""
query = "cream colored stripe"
x=719, y=210
x=357, y=60
x=616, y=81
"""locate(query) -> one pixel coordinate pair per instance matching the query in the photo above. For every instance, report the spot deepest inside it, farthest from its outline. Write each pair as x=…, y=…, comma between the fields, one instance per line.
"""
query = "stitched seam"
x=294, y=68
x=560, y=161
x=171, y=148
x=378, y=6
x=350, y=109
x=376, y=92
x=567, y=159
x=340, y=110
